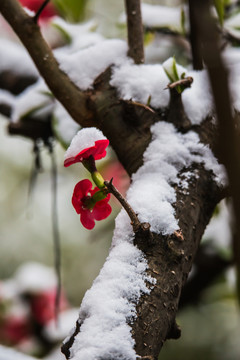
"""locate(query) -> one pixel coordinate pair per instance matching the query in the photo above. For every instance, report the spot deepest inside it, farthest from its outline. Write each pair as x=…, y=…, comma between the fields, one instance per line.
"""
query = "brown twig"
x=135, y=30
x=38, y=13
x=133, y=216
x=186, y=82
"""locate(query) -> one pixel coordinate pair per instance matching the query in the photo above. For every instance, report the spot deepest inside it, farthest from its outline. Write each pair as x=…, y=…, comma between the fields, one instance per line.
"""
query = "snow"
x=6, y=97
x=81, y=35
x=63, y=125
x=85, y=65
x=219, y=229
x=34, y=277
x=157, y=16
x=15, y=59
x=162, y=16
x=197, y=110
x=10, y=354
x=138, y=82
x=169, y=66
x=110, y=303
x=84, y=139
x=40, y=99
x=66, y=319
x=166, y=155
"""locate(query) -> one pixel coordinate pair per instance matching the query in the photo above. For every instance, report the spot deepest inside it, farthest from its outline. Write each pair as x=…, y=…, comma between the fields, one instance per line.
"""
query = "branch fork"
x=136, y=224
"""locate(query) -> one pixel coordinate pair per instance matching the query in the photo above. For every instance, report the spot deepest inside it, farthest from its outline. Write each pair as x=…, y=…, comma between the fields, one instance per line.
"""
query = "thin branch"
x=58, y=82
x=186, y=82
x=135, y=30
x=55, y=229
x=134, y=219
x=194, y=37
x=229, y=147
x=38, y=13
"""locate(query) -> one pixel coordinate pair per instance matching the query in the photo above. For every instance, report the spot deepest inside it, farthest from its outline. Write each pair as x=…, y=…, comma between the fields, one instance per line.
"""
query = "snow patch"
x=85, y=65
x=152, y=194
x=111, y=302
x=84, y=139
x=65, y=128
x=16, y=59
x=6, y=97
x=34, y=277
x=138, y=82
x=40, y=97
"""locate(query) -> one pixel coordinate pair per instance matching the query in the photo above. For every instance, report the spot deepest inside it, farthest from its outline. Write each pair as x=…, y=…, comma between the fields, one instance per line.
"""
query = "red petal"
x=101, y=210
x=101, y=146
x=98, y=151
x=69, y=161
x=81, y=189
x=87, y=219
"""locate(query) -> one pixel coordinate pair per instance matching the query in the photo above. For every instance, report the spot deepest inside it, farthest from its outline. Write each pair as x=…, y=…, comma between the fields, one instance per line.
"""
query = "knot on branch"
x=176, y=113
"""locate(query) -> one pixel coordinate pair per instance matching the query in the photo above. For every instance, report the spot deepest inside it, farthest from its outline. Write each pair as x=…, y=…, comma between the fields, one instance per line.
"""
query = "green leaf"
x=174, y=68
x=183, y=21
x=72, y=10
x=220, y=7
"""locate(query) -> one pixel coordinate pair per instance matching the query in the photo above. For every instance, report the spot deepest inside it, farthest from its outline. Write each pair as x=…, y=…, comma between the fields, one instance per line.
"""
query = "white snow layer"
x=111, y=302
x=66, y=319
x=84, y=139
x=35, y=277
x=6, y=97
x=138, y=82
x=157, y=16
x=10, y=354
x=85, y=65
x=161, y=16
x=168, y=152
x=15, y=58
x=81, y=35
x=34, y=98
x=63, y=125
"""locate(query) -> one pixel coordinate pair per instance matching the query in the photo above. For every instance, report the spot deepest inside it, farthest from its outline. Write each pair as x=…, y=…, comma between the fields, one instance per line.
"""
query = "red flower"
x=43, y=306
x=34, y=5
x=81, y=198
x=14, y=330
x=98, y=151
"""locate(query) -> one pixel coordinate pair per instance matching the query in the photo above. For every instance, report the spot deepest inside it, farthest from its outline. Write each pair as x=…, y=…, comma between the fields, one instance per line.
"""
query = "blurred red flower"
x=48, y=12
x=14, y=329
x=43, y=306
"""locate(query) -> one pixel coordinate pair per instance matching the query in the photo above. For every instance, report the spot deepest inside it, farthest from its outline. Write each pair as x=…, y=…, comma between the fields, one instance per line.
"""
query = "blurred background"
x=210, y=327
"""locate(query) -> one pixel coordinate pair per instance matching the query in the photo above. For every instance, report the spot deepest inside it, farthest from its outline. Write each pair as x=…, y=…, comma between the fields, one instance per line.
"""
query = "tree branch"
x=228, y=145
x=135, y=30
x=58, y=82
x=194, y=36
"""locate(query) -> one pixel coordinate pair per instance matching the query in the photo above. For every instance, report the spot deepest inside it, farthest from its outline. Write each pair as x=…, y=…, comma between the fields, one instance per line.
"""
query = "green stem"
x=98, y=179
